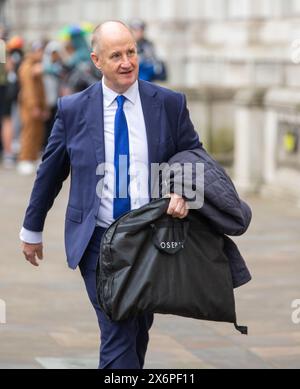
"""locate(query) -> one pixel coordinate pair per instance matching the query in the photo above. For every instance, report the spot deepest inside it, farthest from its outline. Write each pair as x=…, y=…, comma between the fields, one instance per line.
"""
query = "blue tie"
x=121, y=162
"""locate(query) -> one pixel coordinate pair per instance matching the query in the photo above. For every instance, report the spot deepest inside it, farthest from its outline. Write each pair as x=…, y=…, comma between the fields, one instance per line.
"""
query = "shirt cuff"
x=31, y=237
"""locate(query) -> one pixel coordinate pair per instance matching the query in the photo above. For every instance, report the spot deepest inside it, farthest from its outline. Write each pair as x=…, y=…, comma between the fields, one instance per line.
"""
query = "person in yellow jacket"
x=33, y=109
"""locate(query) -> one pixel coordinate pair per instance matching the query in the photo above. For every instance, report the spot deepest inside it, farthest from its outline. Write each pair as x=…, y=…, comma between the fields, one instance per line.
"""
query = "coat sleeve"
x=53, y=170
x=223, y=207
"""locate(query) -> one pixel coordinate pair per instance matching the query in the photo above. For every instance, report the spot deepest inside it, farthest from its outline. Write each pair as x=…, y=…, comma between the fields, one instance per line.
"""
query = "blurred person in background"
x=80, y=69
x=2, y=94
x=53, y=70
x=16, y=47
x=14, y=58
x=2, y=83
x=2, y=88
x=151, y=68
x=33, y=108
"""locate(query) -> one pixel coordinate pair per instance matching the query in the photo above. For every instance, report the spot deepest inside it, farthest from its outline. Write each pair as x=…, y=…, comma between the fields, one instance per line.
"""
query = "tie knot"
x=120, y=101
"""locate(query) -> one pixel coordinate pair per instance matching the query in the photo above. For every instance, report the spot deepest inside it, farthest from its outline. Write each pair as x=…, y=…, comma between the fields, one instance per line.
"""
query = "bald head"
x=109, y=31
x=115, y=55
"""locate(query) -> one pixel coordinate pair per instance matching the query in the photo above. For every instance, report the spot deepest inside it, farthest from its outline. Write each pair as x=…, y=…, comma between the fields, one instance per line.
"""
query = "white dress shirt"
x=138, y=157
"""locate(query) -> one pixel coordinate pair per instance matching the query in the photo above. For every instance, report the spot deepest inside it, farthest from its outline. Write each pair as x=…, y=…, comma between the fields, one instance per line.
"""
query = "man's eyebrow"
x=114, y=52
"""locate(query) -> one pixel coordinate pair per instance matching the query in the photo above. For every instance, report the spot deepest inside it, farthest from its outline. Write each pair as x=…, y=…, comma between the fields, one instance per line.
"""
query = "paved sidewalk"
x=50, y=323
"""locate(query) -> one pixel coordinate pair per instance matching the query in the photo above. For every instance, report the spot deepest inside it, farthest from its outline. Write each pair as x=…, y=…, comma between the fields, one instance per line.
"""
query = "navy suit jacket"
x=76, y=146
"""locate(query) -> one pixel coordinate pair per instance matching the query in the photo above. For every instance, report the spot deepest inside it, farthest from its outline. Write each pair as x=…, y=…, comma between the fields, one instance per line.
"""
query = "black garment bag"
x=152, y=262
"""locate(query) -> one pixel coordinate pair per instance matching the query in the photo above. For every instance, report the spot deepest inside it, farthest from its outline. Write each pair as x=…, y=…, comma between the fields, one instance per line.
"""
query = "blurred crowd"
x=36, y=74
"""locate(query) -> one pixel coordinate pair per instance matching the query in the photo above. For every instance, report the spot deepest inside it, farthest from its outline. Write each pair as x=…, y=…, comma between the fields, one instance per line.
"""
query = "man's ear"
x=96, y=60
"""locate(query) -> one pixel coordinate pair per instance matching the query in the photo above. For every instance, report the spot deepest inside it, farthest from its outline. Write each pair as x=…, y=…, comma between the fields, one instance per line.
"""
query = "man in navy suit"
x=83, y=138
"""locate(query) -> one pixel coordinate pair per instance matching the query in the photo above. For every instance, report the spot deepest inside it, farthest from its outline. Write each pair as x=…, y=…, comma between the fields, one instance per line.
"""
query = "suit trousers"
x=123, y=344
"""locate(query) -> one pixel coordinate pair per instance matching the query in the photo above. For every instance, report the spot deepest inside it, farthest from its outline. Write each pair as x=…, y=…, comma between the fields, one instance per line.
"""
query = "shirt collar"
x=109, y=95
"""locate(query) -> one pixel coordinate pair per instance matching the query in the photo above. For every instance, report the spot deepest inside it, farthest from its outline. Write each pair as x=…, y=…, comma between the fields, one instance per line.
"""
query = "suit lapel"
x=151, y=106
x=95, y=121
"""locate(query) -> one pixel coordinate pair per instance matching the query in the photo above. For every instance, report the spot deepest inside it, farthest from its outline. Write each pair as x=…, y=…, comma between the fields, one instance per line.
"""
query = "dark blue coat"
x=223, y=208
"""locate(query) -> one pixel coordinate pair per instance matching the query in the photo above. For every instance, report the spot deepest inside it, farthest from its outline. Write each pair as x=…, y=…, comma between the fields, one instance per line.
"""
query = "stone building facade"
x=237, y=60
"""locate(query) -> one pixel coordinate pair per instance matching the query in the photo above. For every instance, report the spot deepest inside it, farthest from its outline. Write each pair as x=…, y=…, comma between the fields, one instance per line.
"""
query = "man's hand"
x=178, y=207
x=33, y=252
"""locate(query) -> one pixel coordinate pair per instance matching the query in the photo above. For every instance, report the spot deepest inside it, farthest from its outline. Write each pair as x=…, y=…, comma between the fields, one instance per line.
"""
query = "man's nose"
x=125, y=61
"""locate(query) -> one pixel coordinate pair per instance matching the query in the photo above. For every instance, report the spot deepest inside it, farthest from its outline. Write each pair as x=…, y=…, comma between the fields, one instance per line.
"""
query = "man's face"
x=118, y=61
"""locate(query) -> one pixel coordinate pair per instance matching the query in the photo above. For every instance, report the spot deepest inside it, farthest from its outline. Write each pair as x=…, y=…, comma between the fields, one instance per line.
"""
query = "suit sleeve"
x=53, y=170
x=187, y=137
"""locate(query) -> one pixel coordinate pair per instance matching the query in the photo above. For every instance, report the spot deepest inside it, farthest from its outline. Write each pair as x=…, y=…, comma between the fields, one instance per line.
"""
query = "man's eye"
x=116, y=55
x=131, y=52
